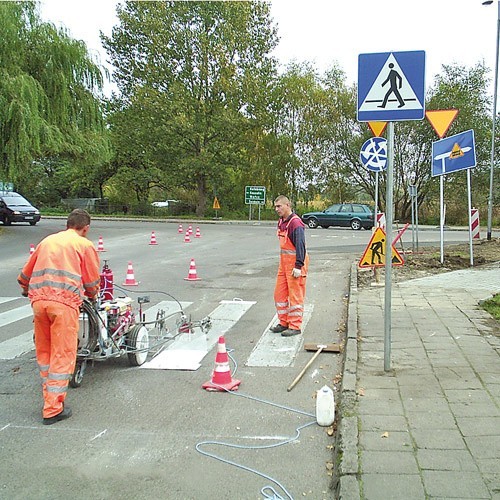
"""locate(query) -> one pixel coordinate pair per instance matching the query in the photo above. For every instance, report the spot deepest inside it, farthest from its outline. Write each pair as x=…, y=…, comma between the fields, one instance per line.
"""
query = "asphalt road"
x=134, y=432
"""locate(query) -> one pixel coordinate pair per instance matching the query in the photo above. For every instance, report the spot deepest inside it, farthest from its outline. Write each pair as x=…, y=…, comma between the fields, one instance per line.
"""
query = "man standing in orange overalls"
x=63, y=268
x=292, y=271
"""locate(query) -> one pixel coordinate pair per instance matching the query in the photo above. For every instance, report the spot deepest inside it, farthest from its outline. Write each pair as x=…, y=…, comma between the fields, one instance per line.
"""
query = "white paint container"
x=325, y=406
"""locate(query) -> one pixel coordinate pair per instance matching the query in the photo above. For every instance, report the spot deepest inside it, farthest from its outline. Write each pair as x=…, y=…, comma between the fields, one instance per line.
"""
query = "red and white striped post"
x=475, y=229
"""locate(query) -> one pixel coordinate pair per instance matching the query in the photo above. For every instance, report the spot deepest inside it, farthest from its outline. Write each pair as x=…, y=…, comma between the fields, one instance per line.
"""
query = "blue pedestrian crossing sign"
x=457, y=152
x=391, y=86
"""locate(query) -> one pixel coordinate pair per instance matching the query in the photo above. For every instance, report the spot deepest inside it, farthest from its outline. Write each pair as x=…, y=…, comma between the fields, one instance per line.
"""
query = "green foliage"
x=49, y=112
x=186, y=71
x=493, y=306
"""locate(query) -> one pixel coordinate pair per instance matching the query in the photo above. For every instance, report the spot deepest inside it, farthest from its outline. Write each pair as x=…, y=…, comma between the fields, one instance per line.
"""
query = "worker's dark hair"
x=78, y=219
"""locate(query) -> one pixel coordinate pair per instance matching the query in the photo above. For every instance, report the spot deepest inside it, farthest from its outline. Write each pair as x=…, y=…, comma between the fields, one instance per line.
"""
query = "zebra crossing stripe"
x=16, y=346
x=8, y=317
x=274, y=350
x=188, y=350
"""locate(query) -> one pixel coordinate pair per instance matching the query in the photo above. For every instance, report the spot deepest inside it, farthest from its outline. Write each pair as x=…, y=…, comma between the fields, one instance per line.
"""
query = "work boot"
x=290, y=332
x=66, y=413
x=278, y=328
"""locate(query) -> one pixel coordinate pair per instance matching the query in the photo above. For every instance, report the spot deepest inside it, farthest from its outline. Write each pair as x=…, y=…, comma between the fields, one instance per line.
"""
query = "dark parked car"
x=16, y=208
x=351, y=215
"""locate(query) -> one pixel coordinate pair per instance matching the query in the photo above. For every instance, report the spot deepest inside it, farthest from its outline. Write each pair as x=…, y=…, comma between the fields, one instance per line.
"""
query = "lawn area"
x=493, y=306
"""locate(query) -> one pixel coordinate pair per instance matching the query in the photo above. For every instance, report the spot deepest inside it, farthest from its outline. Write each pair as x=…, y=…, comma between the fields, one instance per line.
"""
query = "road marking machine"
x=110, y=328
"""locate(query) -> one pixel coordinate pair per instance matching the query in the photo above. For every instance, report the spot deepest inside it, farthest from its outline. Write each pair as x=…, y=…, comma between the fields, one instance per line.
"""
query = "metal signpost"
x=254, y=195
x=457, y=152
x=391, y=87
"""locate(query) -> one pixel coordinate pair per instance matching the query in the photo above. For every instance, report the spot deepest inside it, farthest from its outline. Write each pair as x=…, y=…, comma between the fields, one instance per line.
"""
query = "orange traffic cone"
x=180, y=230
x=187, y=239
x=221, y=376
x=130, y=280
x=198, y=234
x=100, y=245
x=152, y=241
x=32, y=249
x=192, y=276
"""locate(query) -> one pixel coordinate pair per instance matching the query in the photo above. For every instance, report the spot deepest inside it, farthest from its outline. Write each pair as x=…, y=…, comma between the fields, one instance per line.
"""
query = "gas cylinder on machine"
x=106, y=282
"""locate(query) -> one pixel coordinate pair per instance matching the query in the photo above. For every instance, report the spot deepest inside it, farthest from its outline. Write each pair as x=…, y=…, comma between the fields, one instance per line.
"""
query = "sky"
x=325, y=32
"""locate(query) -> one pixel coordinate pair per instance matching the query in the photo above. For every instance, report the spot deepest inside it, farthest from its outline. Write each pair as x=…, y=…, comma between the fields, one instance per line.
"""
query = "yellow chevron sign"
x=374, y=255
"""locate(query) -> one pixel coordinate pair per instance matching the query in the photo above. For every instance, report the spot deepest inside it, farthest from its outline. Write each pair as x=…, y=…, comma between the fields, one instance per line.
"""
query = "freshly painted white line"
x=274, y=350
x=14, y=347
x=188, y=350
x=16, y=314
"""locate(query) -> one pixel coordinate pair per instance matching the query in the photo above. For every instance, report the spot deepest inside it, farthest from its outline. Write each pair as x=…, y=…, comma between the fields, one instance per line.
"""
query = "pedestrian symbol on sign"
x=395, y=84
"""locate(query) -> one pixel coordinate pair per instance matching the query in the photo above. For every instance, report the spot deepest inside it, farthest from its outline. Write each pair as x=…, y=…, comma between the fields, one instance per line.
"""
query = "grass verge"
x=493, y=306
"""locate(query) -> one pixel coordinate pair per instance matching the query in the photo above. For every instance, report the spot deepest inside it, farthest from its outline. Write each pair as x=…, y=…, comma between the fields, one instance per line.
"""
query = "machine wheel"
x=138, y=339
x=32, y=223
x=356, y=224
x=312, y=223
x=76, y=379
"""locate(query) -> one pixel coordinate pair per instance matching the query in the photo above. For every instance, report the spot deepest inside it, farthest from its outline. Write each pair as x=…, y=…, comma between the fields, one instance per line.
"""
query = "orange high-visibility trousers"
x=289, y=293
x=56, y=341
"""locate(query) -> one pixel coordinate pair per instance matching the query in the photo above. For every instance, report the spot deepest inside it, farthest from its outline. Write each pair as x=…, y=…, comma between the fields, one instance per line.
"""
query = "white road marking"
x=16, y=314
x=14, y=347
x=274, y=350
x=188, y=350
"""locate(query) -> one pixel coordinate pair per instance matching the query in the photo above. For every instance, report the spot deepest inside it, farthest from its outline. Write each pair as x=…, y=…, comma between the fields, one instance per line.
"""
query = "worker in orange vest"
x=290, y=287
x=63, y=268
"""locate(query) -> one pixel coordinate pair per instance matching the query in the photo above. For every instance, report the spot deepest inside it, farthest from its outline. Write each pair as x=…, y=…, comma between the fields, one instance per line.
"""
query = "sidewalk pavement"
x=430, y=426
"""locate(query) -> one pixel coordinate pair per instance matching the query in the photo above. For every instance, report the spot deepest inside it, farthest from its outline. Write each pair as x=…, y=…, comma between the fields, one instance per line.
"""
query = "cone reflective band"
x=192, y=275
x=100, y=245
x=221, y=376
x=130, y=280
x=152, y=241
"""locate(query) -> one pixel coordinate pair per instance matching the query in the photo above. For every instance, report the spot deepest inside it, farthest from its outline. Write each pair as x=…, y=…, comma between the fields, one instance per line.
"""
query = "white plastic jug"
x=325, y=406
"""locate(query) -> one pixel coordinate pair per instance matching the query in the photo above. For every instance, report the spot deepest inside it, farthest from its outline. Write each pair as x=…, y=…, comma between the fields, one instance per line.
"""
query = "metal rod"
x=469, y=203
x=388, y=246
x=492, y=165
x=441, y=217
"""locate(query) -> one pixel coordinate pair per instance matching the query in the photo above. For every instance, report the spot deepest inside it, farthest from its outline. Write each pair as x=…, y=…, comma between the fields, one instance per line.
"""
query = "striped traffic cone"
x=221, y=376
x=192, y=276
x=179, y=229
x=130, y=279
x=100, y=245
x=187, y=239
x=153, y=241
x=32, y=249
x=190, y=229
x=197, y=234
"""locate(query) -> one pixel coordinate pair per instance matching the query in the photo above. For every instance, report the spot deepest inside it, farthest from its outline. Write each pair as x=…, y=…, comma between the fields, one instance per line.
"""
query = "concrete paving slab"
x=433, y=417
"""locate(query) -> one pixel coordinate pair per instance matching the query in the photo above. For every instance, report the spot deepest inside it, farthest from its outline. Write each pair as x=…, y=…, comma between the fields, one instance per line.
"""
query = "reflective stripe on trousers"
x=56, y=338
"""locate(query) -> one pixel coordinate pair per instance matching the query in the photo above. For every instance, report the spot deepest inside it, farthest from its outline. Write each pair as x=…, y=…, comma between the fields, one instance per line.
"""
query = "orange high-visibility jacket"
x=63, y=268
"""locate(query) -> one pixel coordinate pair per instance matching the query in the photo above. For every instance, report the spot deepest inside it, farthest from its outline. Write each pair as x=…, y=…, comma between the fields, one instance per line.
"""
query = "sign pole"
x=388, y=246
x=441, y=217
x=376, y=201
x=469, y=200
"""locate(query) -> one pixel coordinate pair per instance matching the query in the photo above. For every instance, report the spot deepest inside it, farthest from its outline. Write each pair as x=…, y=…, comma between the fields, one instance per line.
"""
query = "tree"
x=189, y=67
x=47, y=102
